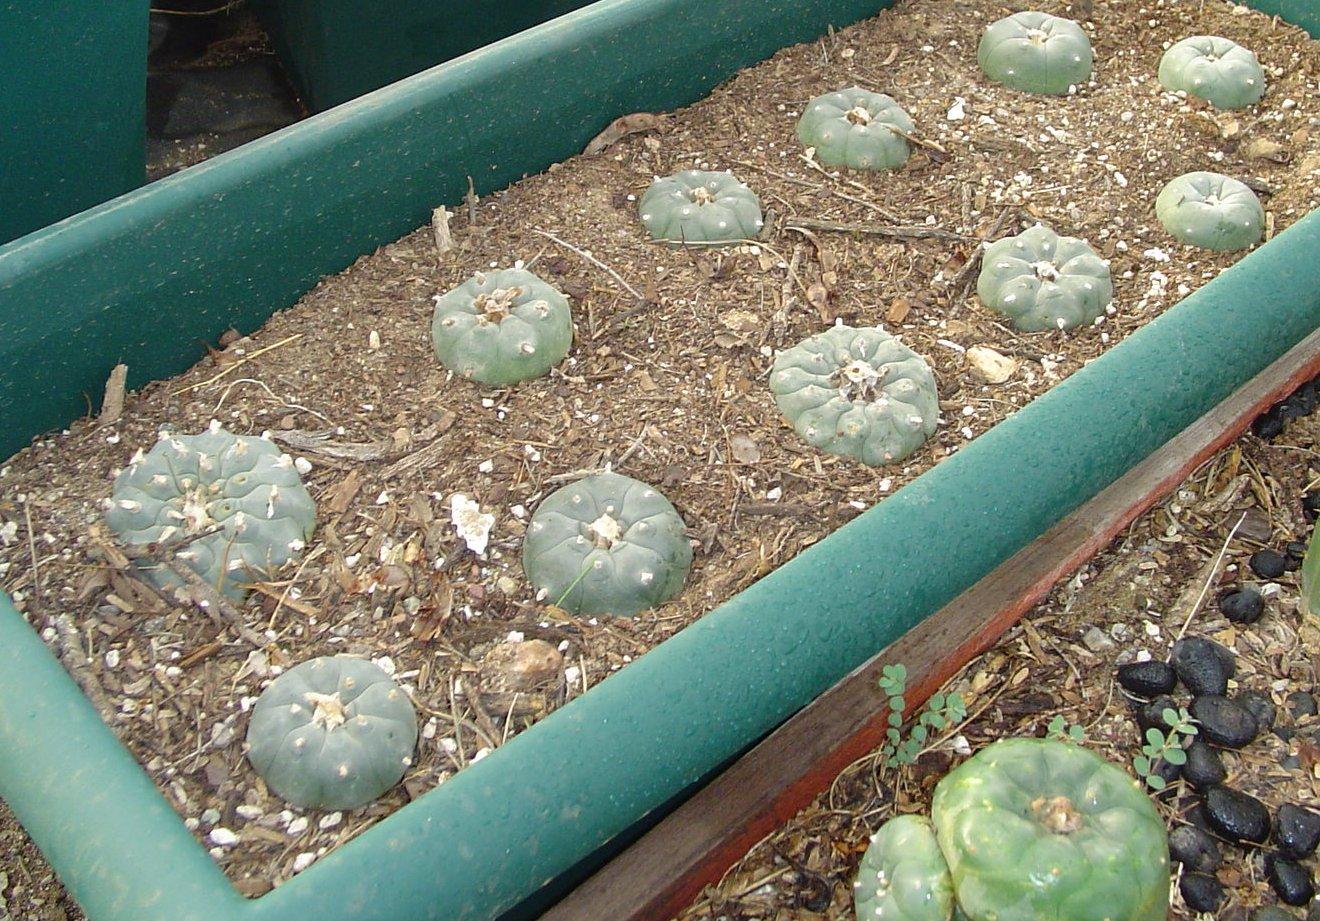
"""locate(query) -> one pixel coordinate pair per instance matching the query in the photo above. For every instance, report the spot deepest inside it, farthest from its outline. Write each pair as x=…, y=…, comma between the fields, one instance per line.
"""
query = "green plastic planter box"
x=73, y=107
x=227, y=243
x=336, y=50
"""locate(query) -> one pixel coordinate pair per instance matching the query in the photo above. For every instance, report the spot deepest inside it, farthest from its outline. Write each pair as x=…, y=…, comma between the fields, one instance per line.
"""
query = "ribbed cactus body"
x=856, y=128
x=698, y=208
x=1215, y=69
x=1210, y=210
x=1044, y=281
x=1036, y=53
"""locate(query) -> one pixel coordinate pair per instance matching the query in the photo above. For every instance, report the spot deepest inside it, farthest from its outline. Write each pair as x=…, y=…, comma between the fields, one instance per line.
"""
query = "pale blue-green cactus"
x=1044, y=281
x=857, y=392
x=243, y=490
x=1215, y=69
x=607, y=544
x=502, y=328
x=903, y=875
x=332, y=733
x=1036, y=53
x=1210, y=210
x=699, y=208
x=856, y=128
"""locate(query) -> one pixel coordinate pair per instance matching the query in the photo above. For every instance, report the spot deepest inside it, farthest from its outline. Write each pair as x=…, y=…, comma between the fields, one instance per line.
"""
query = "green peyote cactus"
x=333, y=732
x=1036, y=53
x=857, y=392
x=606, y=544
x=856, y=128
x=903, y=876
x=1210, y=210
x=242, y=489
x=1215, y=69
x=502, y=328
x=698, y=208
x=1036, y=828
x=1044, y=281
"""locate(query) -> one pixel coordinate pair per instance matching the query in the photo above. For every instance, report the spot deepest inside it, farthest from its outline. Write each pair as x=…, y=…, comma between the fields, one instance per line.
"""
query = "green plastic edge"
x=420, y=862
x=336, y=50
x=73, y=112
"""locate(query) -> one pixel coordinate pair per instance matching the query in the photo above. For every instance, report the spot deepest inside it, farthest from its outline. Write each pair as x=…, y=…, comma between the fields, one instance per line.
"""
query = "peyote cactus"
x=698, y=208
x=857, y=392
x=1036, y=53
x=1211, y=210
x=243, y=489
x=606, y=544
x=1215, y=69
x=856, y=128
x=502, y=328
x=333, y=732
x=1044, y=281
x=903, y=876
x=1037, y=828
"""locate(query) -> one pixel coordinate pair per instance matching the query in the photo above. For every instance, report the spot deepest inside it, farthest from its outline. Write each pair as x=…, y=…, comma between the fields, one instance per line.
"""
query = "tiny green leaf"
x=1141, y=765
x=1155, y=737
x=1156, y=782
x=1175, y=756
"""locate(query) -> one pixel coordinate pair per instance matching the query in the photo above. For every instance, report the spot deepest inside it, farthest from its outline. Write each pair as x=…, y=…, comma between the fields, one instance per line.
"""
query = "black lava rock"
x=1195, y=849
x=1290, y=879
x=1223, y=721
x=1296, y=831
x=1260, y=707
x=1151, y=715
x=1201, y=892
x=1204, y=768
x=1268, y=564
x=1236, y=816
x=1242, y=604
x=1311, y=505
x=1301, y=704
x=1147, y=679
x=1204, y=666
x=1272, y=913
x=1269, y=423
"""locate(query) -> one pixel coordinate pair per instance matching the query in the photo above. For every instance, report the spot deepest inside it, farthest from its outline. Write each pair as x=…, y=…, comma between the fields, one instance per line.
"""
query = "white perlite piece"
x=472, y=524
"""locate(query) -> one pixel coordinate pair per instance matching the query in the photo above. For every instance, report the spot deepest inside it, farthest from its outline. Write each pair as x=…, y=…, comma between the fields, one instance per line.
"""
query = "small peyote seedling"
x=1059, y=728
x=333, y=732
x=941, y=712
x=1164, y=746
x=857, y=392
x=1036, y=53
x=903, y=875
x=502, y=328
x=234, y=505
x=697, y=208
x=1044, y=281
x=606, y=544
x=1212, y=211
x=856, y=128
x=1215, y=69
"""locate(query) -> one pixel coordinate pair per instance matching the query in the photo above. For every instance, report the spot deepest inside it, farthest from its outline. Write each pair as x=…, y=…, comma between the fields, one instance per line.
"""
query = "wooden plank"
x=667, y=869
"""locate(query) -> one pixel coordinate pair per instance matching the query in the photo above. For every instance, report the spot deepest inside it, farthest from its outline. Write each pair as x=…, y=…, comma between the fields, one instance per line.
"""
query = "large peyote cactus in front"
x=607, y=544
x=699, y=208
x=1044, y=281
x=333, y=732
x=243, y=490
x=1036, y=53
x=857, y=392
x=856, y=128
x=903, y=876
x=1211, y=210
x=1215, y=69
x=502, y=328
x=1030, y=829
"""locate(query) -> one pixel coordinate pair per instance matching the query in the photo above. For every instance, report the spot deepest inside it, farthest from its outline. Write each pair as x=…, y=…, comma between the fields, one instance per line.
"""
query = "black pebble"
x=1204, y=666
x=1237, y=816
x=1151, y=715
x=1301, y=704
x=1223, y=721
x=1147, y=679
x=1260, y=707
x=1272, y=913
x=1269, y=423
x=1268, y=564
x=1296, y=831
x=1204, y=768
x=1311, y=505
x=1195, y=849
x=1201, y=892
x=1290, y=879
x=1242, y=604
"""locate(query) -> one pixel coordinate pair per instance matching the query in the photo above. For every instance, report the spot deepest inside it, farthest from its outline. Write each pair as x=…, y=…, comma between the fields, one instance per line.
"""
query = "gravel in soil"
x=666, y=382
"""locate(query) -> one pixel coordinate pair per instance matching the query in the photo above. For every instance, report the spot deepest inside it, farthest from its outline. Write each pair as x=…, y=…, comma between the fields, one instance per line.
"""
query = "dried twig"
x=620, y=128
x=238, y=364
x=318, y=443
x=69, y=647
x=1210, y=577
x=896, y=231
x=471, y=200
x=964, y=274
x=32, y=552
x=593, y=260
x=444, y=240
x=112, y=406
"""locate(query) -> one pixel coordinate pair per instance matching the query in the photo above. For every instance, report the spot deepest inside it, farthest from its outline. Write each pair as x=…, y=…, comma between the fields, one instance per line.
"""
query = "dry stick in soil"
x=962, y=282
x=593, y=260
x=112, y=405
x=238, y=364
x=1210, y=577
x=898, y=231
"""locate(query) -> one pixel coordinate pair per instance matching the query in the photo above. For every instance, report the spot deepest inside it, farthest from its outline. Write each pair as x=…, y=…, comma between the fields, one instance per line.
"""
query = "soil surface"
x=666, y=383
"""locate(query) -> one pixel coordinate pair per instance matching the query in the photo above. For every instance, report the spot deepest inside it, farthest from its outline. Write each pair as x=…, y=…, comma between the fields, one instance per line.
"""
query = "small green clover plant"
x=941, y=712
x=1164, y=746
x=1059, y=728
